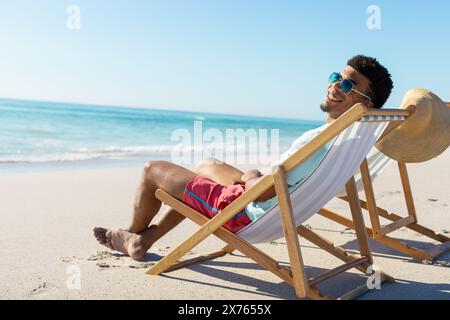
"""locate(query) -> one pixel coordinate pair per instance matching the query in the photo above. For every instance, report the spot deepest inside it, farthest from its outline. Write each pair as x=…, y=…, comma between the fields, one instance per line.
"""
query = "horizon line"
x=152, y=108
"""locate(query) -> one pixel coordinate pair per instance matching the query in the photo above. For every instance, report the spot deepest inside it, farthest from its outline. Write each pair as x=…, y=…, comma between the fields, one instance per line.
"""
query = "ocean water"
x=33, y=132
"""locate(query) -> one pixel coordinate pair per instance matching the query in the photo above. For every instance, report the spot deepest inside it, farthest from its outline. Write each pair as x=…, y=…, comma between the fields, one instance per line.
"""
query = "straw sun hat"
x=424, y=135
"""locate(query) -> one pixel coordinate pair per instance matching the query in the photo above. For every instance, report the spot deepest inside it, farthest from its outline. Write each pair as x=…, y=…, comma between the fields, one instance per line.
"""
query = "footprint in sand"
x=389, y=193
x=98, y=257
x=68, y=259
x=40, y=288
x=107, y=260
x=139, y=265
x=101, y=255
x=104, y=265
x=125, y=264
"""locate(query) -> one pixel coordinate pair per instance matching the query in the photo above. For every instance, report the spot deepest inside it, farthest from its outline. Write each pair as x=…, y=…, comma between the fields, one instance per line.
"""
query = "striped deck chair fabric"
x=343, y=159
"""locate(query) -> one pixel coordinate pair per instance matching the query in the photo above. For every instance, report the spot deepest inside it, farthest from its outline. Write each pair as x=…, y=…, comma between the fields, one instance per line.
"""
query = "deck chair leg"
x=358, y=220
x=329, y=246
x=407, y=190
x=413, y=226
x=370, y=198
x=380, y=233
x=404, y=248
x=338, y=252
x=290, y=233
x=385, y=240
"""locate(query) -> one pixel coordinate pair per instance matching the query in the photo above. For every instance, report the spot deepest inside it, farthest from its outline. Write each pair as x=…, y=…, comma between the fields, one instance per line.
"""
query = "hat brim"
x=424, y=135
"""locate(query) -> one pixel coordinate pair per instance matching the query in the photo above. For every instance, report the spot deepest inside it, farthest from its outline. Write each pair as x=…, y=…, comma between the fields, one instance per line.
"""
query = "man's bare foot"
x=126, y=242
x=100, y=235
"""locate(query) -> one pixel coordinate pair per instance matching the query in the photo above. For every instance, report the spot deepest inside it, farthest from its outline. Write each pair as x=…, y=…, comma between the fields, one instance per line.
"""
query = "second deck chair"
x=376, y=163
x=352, y=136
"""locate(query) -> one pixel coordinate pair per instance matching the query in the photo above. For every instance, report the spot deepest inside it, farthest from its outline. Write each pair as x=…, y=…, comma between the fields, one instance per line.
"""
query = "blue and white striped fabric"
x=381, y=118
x=341, y=162
x=377, y=162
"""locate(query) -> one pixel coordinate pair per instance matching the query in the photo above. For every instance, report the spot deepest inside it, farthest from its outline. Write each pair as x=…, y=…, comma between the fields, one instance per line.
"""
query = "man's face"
x=336, y=102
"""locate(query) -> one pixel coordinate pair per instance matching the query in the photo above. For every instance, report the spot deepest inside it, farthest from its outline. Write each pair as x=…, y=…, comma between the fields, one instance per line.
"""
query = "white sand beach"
x=46, y=232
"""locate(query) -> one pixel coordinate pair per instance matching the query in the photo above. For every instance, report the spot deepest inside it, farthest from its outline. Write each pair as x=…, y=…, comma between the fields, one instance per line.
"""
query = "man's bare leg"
x=211, y=169
x=136, y=243
x=138, y=238
x=219, y=172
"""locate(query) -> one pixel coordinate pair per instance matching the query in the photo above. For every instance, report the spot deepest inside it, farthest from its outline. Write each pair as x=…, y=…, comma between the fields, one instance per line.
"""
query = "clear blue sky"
x=268, y=58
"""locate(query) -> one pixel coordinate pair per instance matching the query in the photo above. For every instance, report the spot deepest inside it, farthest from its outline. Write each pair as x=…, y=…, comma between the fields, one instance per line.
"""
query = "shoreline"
x=100, y=164
x=74, y=165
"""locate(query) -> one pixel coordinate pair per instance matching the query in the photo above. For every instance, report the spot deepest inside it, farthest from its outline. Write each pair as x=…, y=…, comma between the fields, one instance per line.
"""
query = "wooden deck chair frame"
x=295, y=274
x=379, y=232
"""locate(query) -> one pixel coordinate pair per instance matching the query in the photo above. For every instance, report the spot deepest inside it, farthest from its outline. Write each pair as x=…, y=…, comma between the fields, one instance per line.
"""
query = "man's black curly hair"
x=380, y=82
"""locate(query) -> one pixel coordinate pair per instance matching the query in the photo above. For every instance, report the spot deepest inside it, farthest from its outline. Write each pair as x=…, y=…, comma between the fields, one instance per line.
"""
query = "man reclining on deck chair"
x=213, y=185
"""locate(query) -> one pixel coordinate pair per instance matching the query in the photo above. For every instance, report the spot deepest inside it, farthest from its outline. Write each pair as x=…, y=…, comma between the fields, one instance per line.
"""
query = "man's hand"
x=252, y=177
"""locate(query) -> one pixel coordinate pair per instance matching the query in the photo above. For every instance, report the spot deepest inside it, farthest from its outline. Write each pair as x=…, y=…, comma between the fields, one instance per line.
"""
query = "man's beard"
x=324, y=107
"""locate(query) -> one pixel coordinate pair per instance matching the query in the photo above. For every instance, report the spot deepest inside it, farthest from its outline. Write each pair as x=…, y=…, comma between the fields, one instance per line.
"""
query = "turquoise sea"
x=48, y=134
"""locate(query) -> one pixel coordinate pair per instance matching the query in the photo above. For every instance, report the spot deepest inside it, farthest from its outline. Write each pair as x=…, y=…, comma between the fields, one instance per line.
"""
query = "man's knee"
x=205, y=163
x=151, y=168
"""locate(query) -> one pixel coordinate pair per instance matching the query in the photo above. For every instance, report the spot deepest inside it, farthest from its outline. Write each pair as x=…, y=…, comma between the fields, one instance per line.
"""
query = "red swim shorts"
x=210, y=198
